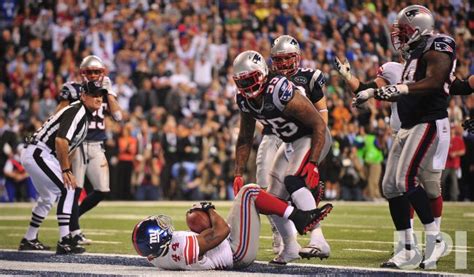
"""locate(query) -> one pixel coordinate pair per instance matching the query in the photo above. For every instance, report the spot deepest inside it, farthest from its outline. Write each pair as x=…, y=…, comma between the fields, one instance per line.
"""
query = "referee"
x=46, y=159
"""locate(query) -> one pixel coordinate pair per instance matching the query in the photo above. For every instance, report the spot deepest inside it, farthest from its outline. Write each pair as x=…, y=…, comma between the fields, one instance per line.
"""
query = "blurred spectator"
x=17, y=181
x=352, y=176
x=127, y=150
x=457, y=149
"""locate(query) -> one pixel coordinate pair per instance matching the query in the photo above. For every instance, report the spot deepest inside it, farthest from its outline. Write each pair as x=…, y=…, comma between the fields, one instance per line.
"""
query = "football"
x=198, y=221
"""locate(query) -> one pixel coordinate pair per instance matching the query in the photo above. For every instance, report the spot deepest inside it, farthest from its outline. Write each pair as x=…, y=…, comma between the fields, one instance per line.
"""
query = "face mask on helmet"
x=250, y=85
x=151, y=237
x=92, y=69
x=401, y=35
x=285, y=64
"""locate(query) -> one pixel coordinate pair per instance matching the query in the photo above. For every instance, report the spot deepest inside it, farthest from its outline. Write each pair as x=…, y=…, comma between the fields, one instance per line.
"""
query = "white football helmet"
x=250, y=72
x=286, y=55
x=92, y=68
x=412, y=23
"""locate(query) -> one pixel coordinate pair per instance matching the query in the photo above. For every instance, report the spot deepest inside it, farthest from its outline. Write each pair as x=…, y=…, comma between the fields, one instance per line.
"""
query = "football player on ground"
x=226, y=245
x=421, y=145
x=89, y=159
x=274, y=101
x=286, y=57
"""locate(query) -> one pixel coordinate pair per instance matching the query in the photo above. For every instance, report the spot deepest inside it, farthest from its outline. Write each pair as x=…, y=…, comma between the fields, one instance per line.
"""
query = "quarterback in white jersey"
x=226, y=244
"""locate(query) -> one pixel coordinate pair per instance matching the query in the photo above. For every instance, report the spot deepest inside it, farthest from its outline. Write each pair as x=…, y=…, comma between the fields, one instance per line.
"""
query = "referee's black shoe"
x=67, y=246
x=33, y=244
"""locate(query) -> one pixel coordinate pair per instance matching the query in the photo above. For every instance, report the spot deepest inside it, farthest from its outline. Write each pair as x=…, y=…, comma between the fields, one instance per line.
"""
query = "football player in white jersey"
x=225, y=245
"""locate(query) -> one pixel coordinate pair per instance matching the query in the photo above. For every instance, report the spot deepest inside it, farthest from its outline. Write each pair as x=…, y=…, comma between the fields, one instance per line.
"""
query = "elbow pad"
x=364, y=86
x=117, y=116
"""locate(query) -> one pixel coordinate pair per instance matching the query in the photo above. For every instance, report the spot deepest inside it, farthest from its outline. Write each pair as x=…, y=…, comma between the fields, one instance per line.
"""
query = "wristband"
x=67, y=170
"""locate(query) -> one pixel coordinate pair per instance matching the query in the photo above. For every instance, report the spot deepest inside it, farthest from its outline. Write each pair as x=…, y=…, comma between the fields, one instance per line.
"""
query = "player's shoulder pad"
x=443, y=43
x=70, y=91
x=283, y=91
x=317, y=80
x=391, y=72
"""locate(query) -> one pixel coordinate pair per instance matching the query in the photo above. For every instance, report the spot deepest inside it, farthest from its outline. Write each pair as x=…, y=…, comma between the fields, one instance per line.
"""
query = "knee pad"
x=293, y=183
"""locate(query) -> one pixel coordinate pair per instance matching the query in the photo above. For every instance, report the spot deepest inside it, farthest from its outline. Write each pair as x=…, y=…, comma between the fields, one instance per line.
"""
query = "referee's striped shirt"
x=70, y=123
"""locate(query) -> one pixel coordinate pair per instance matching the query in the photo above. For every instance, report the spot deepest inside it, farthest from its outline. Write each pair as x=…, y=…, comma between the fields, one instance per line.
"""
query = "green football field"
x=360, y=234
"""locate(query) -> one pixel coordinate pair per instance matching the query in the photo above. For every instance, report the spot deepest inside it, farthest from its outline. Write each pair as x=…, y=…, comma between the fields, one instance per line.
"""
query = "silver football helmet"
x=250, y=72
x=412, y=24
x=92, y=68
x=286, y=55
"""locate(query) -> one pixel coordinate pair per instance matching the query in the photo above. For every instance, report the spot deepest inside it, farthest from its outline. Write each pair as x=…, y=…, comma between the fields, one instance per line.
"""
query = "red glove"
x=311, y=172
x=238, y=184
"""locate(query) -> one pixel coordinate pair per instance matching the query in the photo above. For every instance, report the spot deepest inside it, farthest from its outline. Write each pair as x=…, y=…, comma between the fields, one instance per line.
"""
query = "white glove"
x=362, y=97
x=344, y=68
x=107, y=84
x=391, y=92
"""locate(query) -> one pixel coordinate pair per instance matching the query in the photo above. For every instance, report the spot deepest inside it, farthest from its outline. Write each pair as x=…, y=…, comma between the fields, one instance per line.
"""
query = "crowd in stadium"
x=170, y=63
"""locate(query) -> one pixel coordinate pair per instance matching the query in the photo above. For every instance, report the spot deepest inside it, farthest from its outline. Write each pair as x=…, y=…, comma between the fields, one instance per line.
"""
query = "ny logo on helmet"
x=155, y=235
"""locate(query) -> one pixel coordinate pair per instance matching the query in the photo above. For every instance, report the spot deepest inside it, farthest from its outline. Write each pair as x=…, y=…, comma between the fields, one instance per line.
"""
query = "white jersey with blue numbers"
x=72, y=92
x=183, y=253
x=392, y=73
x=277, y=93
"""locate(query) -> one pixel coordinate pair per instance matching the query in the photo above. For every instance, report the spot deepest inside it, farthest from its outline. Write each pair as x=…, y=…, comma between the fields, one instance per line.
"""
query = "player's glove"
x=362, y=97
x=107, y=84
x=469, y=125
x=202, y=206
x=238, y=184
x=390, y=92
x=344, y=68
x=311, y=172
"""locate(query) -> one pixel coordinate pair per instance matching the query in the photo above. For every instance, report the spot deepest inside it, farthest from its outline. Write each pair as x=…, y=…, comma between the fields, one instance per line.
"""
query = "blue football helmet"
x=152, y=236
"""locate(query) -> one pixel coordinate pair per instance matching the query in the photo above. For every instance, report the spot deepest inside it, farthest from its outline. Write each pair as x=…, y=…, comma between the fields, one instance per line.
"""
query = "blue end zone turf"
x=43, y=261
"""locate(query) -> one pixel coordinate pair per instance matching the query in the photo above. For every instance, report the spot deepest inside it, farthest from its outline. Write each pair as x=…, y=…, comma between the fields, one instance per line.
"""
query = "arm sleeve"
x=460, y=87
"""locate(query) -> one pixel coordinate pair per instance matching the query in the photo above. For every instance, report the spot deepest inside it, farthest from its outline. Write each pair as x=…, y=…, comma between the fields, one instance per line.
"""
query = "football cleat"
x=33, y=244
x=306, y=220
x=404, y=259
x=67, y=245
x=435, y=249
x=81, y=239
x=310, y=251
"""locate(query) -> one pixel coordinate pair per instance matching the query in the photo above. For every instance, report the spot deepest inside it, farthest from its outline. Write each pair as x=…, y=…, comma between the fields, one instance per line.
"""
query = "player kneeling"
x=231, y=244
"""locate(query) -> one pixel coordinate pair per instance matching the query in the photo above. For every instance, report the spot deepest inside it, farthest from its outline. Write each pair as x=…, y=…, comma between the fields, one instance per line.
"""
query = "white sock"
x=406, y=236
x=303, y=199
x=287, y=213
x=32, y=233
x=437, y=220
x=287, y=231
x=412, y=222
x=431, y=229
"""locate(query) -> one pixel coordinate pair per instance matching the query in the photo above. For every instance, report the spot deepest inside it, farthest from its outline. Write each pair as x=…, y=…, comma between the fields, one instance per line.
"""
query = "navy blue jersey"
x=96, y=131
x=416, y=109
x=308, y=81
x=277, y=92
